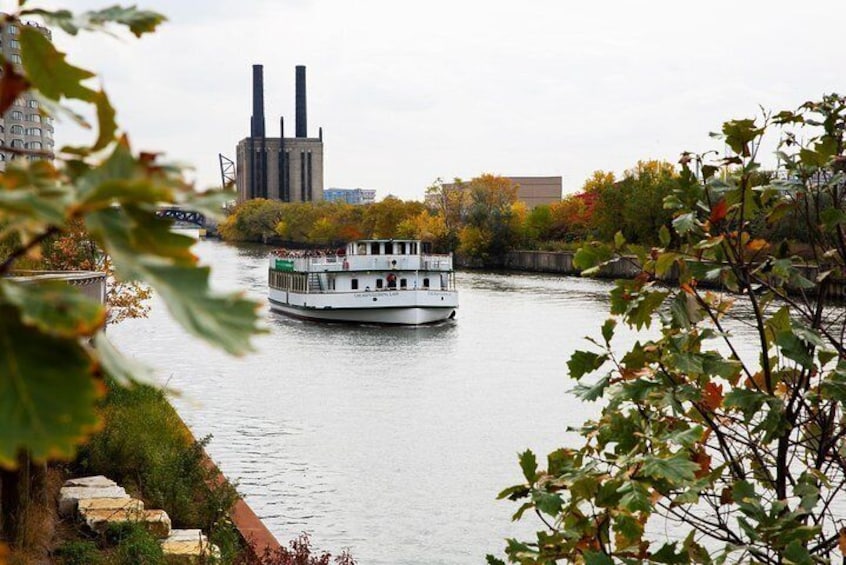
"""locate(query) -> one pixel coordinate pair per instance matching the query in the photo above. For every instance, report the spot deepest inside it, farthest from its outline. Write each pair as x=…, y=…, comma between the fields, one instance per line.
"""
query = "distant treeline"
x=482, y=219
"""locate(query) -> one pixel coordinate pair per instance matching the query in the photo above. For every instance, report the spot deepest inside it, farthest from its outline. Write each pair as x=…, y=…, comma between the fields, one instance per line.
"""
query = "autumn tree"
x=698, y=453
x=492, y=224
x=450, y=201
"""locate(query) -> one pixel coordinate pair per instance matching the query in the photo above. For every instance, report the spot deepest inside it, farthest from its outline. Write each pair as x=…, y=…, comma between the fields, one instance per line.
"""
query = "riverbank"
x=627, y=267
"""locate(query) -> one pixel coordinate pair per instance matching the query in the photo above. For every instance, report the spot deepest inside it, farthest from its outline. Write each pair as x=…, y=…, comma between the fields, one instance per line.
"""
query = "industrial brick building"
x=279, y=168
x=23, y=127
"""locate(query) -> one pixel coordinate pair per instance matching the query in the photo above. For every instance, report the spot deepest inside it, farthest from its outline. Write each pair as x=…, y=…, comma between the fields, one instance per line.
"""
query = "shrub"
x=77, y=552
x=134, y=545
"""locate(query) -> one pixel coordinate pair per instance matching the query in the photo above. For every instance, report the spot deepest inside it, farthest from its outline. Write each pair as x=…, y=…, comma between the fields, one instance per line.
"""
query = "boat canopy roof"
x=388, y=247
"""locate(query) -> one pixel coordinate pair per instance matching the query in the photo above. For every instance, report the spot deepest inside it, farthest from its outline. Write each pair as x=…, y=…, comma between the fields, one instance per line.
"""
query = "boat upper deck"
x=364, y=255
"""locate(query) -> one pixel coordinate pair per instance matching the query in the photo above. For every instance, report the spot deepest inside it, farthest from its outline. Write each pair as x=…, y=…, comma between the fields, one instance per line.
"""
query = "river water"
x=392, y=442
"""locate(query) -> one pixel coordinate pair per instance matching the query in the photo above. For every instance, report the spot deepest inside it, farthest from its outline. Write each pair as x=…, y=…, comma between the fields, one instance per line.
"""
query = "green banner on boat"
x=284, y=265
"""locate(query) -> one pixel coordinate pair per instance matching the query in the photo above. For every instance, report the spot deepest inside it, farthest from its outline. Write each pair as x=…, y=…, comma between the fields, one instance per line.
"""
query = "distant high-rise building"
x=279, y=168
x=350, y=195
x=23, y=127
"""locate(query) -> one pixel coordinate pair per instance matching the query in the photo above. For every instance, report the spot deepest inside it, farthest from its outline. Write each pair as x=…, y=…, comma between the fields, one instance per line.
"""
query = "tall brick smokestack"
x=257, y=119
x=301, y=125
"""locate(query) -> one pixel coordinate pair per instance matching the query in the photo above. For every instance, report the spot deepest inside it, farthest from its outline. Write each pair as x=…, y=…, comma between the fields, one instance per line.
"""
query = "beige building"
x=289, y=169
x=532, y=191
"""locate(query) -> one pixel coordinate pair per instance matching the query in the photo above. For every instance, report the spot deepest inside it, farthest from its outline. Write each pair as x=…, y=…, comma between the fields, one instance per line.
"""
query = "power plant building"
x=279, y=168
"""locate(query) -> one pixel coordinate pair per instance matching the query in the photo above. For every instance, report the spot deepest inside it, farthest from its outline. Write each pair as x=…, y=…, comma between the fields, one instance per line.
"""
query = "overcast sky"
x=407, y=92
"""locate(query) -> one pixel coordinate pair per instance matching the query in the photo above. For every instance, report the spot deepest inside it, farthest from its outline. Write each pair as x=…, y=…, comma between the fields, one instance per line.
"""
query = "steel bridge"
x=182, y=216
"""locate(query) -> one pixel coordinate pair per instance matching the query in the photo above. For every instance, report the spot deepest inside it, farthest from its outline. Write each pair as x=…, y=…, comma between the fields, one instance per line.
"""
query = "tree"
x=740, y=460
x=54, y=351
x=492, y=226
x=450, y=201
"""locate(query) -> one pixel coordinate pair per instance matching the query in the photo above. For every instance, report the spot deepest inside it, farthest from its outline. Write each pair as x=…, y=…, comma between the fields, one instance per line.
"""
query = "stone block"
x=157, y=522
x=98, y=481
x=88, y=504
x=70, y=496
x=188, y=547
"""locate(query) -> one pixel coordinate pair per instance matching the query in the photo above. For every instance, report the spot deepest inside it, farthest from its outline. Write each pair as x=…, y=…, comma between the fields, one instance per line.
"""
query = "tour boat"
x=376, y=281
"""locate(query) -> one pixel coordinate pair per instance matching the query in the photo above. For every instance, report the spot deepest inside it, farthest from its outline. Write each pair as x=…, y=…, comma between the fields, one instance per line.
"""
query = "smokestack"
x=257, y=120
x=301, y=126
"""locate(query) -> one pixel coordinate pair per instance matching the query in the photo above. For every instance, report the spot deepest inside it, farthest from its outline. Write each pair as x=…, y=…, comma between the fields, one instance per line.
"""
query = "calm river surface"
x=392, y=442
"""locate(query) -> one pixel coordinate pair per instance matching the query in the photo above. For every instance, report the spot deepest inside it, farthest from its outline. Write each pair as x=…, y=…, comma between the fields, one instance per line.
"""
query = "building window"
x=15, y=44
x=16, y=115
x=34, y=118
x=17, y=129
x=33, y=104
x=34, y=132
x=354, y=284
x=18, y=143
x=16, y=58
x=34, y=145
x=13, y=30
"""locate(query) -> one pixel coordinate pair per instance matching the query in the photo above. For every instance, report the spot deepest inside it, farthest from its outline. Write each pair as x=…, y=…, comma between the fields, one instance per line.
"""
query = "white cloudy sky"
x=410, y=91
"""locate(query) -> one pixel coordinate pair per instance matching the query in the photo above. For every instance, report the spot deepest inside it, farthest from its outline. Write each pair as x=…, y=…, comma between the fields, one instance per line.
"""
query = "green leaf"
x=55, y=307
x=143, y=248
x=529, y=464
x=583, y=362
x=124, y=370
x=619, y=240
x=491, y=560
x=592, y=392
x=597, y=558
x=676, y=469
x=749, y=402
x=47, y=392
x=684, y=223
x=797, y=554
x=547, y=502
x=608, y=330
x=635, y=498
x=665, y=262
x=48, y=71
x=640, y=315
x=664, y=236
x=795, y=349
x=138, y=21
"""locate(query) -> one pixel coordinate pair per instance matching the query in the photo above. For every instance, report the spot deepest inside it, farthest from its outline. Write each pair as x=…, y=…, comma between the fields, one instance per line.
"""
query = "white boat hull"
x=413, y=307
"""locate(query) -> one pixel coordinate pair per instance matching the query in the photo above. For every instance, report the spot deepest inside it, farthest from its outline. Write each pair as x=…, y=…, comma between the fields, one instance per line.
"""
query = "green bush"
x=77, y=552
x=134, y=545
x=145, y=447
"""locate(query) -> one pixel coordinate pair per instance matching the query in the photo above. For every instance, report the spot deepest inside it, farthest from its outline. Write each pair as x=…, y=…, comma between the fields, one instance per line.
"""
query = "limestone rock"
x=69, y=496
x=98, y=481
x=88, y=504
x=157, y=522
x=188, y=547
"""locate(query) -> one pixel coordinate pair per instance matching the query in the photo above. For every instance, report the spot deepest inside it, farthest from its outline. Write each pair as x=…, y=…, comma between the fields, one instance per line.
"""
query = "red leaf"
x=712, y=396
x=719, y=211
x=12, y=85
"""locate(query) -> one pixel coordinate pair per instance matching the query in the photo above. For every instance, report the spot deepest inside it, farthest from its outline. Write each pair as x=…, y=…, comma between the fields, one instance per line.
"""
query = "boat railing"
x=370, y=262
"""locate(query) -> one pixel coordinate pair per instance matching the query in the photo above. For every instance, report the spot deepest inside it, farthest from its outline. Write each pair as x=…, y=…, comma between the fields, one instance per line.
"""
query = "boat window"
x=413, y=246
x=354, y=283
x=378, y=283
x=389, y=248
x=374, y=248
x=426, y=283
x=362, y=249
x=403, y=283
x=426, y=247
